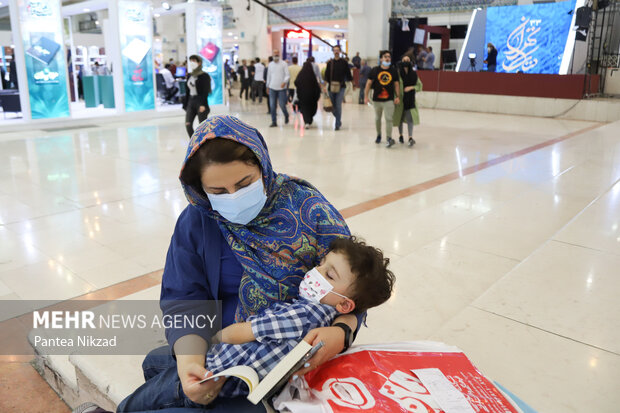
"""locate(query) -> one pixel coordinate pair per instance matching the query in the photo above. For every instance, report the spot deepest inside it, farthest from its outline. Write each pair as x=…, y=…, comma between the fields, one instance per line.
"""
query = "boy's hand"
x=333, y=339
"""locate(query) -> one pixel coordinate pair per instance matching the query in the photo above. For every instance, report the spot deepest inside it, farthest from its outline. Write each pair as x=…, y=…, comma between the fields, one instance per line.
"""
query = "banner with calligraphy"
x=530, y=38
x=46, y=66
x=136, y=33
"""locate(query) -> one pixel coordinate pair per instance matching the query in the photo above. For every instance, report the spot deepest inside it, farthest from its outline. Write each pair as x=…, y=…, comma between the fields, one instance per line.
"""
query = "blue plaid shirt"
x=277, y=331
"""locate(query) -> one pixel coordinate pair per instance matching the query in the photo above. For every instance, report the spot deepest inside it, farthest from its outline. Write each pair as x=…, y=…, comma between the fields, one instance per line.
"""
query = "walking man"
x=245, y=75
x=259, y=80
x=337, y=73
x=364, y=72
x=385, y=85
x=277, y=78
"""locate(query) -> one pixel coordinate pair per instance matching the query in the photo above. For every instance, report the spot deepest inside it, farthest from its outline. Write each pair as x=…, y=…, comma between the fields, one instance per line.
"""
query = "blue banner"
x=136, y=36
x=209, y=42
x=530, y=38
x=46, y=66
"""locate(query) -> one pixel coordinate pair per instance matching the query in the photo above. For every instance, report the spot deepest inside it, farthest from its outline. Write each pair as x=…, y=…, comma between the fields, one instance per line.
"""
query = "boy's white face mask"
x=314, y=286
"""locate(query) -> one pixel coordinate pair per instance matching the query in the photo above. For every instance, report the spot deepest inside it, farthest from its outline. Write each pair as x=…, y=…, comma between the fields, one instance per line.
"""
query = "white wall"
x=252, y=24
x=445, y=19
x=368, y=27
x=170, y=28
x=87, y=39
x=612, y=82
x=6, y=38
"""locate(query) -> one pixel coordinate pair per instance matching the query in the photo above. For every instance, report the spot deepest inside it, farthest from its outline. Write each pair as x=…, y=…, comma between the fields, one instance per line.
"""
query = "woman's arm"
x=332, y=338
x=185, y=288
x=418, y=85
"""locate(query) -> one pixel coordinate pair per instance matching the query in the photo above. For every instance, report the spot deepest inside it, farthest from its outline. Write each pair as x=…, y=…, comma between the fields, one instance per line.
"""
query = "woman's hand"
x=202, y=109
x=191, y=372
x=409, y=88
x=333, y=344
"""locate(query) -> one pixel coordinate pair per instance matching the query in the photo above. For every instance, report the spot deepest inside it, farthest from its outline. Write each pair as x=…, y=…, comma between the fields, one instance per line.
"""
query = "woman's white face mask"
x=193, y=65
x=241, y=206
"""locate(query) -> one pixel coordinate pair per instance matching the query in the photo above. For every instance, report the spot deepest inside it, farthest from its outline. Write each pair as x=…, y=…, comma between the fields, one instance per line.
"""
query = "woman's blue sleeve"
x=185, y=288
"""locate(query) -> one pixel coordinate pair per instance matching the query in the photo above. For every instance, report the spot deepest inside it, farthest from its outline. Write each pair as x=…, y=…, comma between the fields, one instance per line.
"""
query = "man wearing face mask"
x=277, y=79
x=384, y=81
x=196, y=101
x=337, y=73
x=491, y=58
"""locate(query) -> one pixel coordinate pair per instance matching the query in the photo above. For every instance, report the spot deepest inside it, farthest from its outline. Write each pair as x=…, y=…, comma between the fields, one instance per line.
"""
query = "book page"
x=245, y=373
x=279, y=371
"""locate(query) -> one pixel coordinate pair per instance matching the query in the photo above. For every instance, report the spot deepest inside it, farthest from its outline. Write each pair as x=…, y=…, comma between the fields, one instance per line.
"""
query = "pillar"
x=369, y=27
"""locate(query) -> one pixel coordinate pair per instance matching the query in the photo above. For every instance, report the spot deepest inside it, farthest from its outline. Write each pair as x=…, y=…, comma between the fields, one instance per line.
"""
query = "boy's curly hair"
x=373, y=280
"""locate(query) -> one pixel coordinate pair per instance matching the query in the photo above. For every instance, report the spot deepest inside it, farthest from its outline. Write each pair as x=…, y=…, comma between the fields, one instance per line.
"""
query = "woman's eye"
x=243, y=185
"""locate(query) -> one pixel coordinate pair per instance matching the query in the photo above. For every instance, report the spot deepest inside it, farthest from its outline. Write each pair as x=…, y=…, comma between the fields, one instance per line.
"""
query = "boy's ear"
x=345, y=306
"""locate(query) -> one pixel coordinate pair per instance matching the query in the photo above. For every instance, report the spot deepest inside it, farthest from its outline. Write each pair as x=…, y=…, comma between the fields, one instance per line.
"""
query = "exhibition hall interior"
x=473, y=145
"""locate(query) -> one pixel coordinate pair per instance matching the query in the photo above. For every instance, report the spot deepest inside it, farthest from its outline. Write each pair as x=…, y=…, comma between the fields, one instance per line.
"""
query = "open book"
x=276, y=378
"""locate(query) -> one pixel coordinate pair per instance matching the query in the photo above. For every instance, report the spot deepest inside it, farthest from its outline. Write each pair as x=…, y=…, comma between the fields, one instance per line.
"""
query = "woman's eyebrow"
x=243, y=179
x=216, y=188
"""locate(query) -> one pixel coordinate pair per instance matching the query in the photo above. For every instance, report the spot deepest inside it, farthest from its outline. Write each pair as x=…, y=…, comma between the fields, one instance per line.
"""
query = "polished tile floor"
x=502, y=230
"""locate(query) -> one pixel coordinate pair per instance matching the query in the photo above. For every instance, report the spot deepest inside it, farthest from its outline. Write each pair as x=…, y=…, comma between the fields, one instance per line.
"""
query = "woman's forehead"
x=230, y=172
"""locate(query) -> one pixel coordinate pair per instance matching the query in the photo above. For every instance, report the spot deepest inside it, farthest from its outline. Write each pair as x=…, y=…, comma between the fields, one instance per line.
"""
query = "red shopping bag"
x=380, y=379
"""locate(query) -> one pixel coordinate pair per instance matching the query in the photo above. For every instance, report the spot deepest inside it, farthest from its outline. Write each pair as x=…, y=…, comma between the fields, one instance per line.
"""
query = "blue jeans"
x=336, y=99
x=162, y=392
x=281, y=96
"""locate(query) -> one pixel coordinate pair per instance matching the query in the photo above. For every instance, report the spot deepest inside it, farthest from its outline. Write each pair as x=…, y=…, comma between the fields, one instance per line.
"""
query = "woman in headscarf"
x=246, y=238
x=196, y=101
x=406, y=110
x=308, y=92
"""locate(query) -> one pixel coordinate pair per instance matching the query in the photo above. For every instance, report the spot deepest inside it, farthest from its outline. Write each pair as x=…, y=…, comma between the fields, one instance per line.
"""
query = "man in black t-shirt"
x=385, y=85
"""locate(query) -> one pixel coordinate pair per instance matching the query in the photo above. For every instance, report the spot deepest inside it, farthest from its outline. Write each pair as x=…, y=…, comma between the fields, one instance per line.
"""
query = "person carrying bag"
x=336, y=74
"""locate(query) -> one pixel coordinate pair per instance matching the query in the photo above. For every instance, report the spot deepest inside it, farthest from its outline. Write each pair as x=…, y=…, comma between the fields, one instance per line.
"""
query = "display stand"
x=91, y=91
x=106, y=91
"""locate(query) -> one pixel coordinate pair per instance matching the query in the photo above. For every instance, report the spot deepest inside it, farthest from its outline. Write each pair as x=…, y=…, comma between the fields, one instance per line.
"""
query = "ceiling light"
x=86, y=10
x=337, y=26
x=236, y=38
x=230, y=33
x=157, y=15
x=166, y=5
x=97, y=22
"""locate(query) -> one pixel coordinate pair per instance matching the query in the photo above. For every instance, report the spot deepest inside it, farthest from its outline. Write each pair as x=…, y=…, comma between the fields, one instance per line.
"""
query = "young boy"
x=351, y=278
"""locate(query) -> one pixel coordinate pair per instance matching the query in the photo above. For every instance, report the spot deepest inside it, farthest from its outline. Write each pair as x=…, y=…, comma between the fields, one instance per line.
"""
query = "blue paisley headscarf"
x=293, y=230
